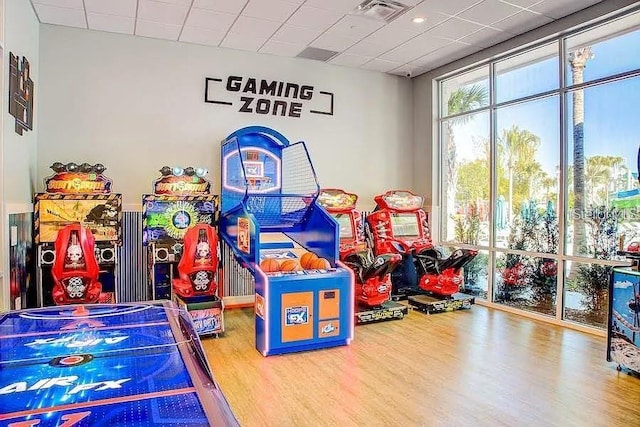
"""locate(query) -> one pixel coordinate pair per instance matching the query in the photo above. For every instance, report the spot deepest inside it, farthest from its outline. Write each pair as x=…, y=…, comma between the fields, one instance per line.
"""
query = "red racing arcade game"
x=429, y=281
x=372, y=273
x=196, y=287
x=75, y=270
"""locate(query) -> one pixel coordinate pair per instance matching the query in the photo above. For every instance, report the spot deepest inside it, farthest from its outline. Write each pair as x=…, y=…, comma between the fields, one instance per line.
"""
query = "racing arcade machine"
x=429, y=282
x=79, y=195
x=272, y=223
x=372, y=273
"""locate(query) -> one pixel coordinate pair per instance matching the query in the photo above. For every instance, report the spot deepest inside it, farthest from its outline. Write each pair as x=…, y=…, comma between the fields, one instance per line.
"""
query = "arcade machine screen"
x=346, y=228
x=405, y=225
x=100, y=215
x=168, y=220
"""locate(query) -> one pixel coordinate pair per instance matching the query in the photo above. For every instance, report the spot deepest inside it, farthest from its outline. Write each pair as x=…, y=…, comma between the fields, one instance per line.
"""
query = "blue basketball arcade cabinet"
x=269, y=213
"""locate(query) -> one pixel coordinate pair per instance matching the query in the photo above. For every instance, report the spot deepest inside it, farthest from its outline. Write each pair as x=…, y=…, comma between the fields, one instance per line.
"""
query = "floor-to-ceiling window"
x=539, y=172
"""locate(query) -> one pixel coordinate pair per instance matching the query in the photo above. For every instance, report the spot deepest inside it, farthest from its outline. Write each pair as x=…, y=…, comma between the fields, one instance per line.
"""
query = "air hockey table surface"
x=136, y=364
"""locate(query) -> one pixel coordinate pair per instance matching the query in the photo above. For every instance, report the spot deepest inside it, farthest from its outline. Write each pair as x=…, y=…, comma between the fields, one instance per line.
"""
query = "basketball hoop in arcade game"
x=372, y=273
x=429, y=282
x=77, y=218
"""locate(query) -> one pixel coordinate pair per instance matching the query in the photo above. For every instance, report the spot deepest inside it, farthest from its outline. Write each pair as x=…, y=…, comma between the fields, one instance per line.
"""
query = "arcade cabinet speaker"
x=47, y=256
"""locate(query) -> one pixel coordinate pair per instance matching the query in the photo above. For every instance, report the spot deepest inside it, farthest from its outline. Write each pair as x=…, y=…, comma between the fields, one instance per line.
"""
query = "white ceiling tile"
x=454, y=28
x=489, y=11
x=61, y=16
x=71, y=4
x=112, y=7
x=201, y=36
x=522, y=22
x=557, y=9
x=405, y=22
x=350, y=60
x=312, y=17
x=157, y=30
x=365, y=48
x=333, y=42
x=110, y=23
x=355, y=26
x=164, y=13
x=294, y=34
x=186, y=3
x=270, y=10
x=486, y=37
x=279, y=48
x=228, y=6
x=521, y=3
x=253, y=27
x=210, y=20
x=415, y=48
x=343, y=6
x=444, y=51
x=450, y=7
x=243, y=42
x=380, y=65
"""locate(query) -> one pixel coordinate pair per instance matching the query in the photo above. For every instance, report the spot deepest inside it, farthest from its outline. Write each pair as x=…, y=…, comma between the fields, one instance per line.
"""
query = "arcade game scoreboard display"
x=138, y=364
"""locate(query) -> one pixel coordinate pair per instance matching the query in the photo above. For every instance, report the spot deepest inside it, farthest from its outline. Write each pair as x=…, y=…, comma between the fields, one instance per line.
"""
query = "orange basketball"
x=307, y=258
x=321, y=264
x=289, y=265
x=269, y=265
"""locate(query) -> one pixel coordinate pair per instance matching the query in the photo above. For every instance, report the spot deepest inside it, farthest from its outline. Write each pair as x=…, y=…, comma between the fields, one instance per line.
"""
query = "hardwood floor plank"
x=479, y=367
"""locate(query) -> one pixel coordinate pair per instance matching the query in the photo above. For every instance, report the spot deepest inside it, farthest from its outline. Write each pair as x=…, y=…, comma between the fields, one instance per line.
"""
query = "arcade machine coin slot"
x=428, y=281
x=78, y=194
x=289, y=244
x=372, y=273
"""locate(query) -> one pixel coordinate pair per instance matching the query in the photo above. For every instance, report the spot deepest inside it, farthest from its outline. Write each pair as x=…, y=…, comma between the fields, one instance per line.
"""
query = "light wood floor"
x=479, y=367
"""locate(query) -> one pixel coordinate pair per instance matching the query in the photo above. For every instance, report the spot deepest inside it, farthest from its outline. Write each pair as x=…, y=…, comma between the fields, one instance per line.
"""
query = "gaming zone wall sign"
x=267, y=97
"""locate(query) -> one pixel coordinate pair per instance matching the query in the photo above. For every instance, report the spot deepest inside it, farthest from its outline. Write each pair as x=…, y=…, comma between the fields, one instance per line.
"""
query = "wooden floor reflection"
x=479, y=367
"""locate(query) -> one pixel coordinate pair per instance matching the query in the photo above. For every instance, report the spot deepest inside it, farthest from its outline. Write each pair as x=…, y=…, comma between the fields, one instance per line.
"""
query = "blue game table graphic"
x=64, y=368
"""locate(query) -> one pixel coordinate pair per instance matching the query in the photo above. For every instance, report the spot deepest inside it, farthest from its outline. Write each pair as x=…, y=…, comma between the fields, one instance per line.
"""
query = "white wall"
x=136, y=104
x=424, y=89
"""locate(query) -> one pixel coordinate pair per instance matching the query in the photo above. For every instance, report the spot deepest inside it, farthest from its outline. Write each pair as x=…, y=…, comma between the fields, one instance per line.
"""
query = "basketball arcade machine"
x=269, y=212
x=372, y=274
x=399, y=225
x=81, y=195
x=182, y=245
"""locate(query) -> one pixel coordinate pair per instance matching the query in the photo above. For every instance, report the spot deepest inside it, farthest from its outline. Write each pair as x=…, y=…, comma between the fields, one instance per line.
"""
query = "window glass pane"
x=465, y=178
x=465, y=92
x=586, y=293
x=602, y=186
x=525, y=282
x=527, y=74
x=603, y=51
x=526, y=209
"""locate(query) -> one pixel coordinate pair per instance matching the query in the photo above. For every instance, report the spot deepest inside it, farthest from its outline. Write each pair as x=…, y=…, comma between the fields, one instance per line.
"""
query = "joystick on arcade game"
x=372, y=273
x=75, y=270
x=429, y=282
x=196, y=287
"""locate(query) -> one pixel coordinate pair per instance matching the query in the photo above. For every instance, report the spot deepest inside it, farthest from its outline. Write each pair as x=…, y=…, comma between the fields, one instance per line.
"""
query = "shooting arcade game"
x=271, y=221
x=131, y=364
x=372, y=274
x=429, y=282
x=77, y=229
x=182, y=244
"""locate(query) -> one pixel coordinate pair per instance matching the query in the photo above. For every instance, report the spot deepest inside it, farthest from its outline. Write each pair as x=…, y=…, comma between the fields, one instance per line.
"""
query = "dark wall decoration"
x=267, y=97
x=20, y=93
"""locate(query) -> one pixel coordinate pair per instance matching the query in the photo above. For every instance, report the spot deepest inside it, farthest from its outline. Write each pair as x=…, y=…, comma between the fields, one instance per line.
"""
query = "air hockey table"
x=136, y=364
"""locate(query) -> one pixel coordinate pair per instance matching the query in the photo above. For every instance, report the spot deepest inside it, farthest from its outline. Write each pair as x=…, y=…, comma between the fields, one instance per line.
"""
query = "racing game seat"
x=199, y=263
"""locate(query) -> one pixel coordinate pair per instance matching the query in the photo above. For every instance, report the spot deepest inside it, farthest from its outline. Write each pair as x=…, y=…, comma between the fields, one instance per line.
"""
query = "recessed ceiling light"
x=418, y=20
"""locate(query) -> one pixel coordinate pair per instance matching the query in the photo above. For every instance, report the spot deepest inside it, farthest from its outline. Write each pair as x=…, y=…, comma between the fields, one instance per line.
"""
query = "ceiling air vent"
x=381, y=10
x=317, y=54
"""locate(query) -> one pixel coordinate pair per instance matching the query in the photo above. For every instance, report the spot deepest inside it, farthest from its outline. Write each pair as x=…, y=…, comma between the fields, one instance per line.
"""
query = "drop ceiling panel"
x=157, y=30
x=270, y=10
x=210, y=20
x=228, y=6
x=110, y=23
x=61, y=16
x=164, y=13
x=113, y=7
x=289, y=27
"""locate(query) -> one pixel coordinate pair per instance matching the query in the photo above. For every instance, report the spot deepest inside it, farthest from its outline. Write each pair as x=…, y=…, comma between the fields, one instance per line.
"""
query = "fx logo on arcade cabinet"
x=296, y=315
